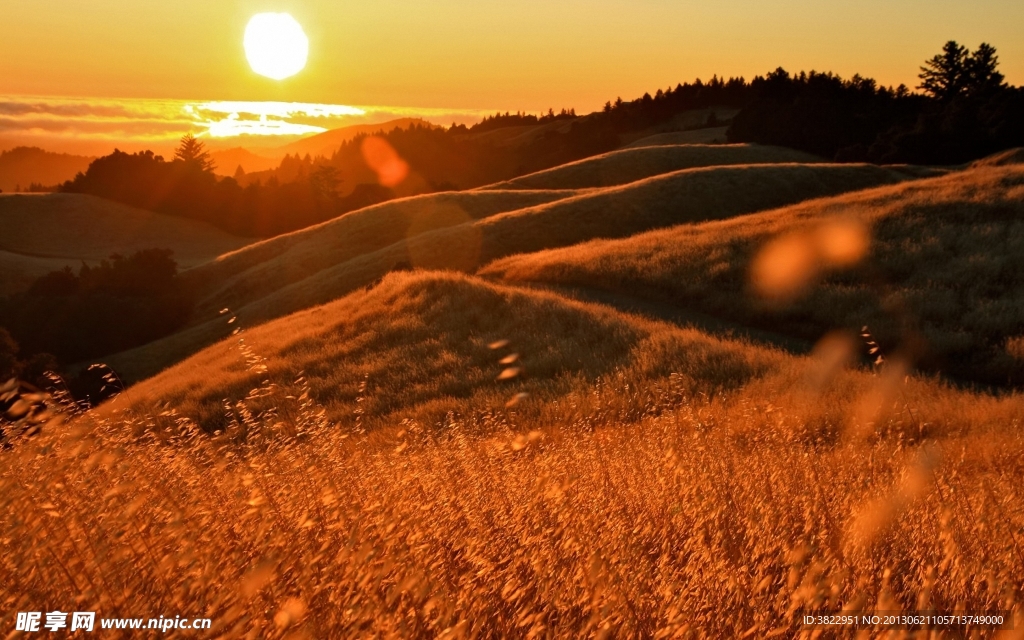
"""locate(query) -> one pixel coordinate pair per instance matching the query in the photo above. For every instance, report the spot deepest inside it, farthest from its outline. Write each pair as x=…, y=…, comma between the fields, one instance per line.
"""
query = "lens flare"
x=384, y=160
x=789, y=264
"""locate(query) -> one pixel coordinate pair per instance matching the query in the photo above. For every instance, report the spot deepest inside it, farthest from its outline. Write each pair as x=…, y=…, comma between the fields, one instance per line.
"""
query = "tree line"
x=122, y=302
x=501, y=120
x=66, y=317
x=186, y=186
x=965, y=111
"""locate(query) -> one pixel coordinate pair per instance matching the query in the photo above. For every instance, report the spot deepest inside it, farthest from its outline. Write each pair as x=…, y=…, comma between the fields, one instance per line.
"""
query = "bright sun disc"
x=275, y=45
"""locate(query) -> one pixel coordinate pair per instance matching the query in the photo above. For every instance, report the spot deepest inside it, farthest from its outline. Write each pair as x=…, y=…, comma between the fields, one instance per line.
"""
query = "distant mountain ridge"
x=227, y=161
x=326, y=143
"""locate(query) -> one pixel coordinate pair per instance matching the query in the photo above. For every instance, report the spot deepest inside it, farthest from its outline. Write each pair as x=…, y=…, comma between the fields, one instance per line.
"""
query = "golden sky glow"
x=477, y=55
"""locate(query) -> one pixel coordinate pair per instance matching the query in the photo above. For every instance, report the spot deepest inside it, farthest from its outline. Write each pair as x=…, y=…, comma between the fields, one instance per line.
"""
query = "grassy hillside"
x=655, y=481
x=671, y=391
x=422, y=339
x=284, y=259
x=1004, y=158
x=528, y=221
x=22, y=166
x=629, y=165
x=19, y=271
x=294, y=272
x=519, y=136
x=942, y=278
x=53, y=230
x=709, y=135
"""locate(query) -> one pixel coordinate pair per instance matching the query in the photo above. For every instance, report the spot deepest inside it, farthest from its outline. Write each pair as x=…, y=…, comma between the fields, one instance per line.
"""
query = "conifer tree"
x=193, y=153
x=981, y=76
x=944, y=76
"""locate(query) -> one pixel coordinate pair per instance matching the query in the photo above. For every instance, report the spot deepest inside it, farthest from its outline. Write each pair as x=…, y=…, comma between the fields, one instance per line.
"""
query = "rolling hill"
x=284, y=259
x=422, y=339
x=317, y=265
x=631, y=164
x=43, y=232
x=709, y=135
x=528, y=221
x=21, y=166
x=227, y=161
x=942, y=280
x=326, y=143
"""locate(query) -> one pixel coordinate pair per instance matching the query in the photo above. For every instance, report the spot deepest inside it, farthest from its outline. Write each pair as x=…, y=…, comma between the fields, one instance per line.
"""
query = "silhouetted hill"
x=706, y=135
x=299, y=157
x=22, y=166
x=326, y=143
x=228, y=161
x=190, y=190
x=121, y=302
x=46, y=232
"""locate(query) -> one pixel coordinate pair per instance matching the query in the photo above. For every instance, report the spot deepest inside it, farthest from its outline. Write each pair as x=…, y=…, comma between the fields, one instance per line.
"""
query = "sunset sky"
x=461, y=56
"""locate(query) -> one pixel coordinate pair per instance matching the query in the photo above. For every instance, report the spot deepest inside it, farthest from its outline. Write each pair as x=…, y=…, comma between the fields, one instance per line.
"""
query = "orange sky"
x=480, y=54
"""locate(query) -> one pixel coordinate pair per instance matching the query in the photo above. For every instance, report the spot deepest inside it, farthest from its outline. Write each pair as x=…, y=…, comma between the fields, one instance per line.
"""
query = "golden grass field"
x=656, y=482
x=467, y=450
x=44, y=232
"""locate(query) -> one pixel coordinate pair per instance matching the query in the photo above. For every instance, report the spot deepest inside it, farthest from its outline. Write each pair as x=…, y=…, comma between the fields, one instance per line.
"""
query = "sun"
x=275, y=45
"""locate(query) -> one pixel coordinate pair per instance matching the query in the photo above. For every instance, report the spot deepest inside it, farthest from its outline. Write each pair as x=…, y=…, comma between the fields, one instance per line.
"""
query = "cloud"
x=96, y=123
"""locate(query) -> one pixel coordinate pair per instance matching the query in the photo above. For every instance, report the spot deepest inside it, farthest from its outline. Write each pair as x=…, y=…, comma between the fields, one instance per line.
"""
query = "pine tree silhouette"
x=193, y=152
x=982, y=79
x=945, y=75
